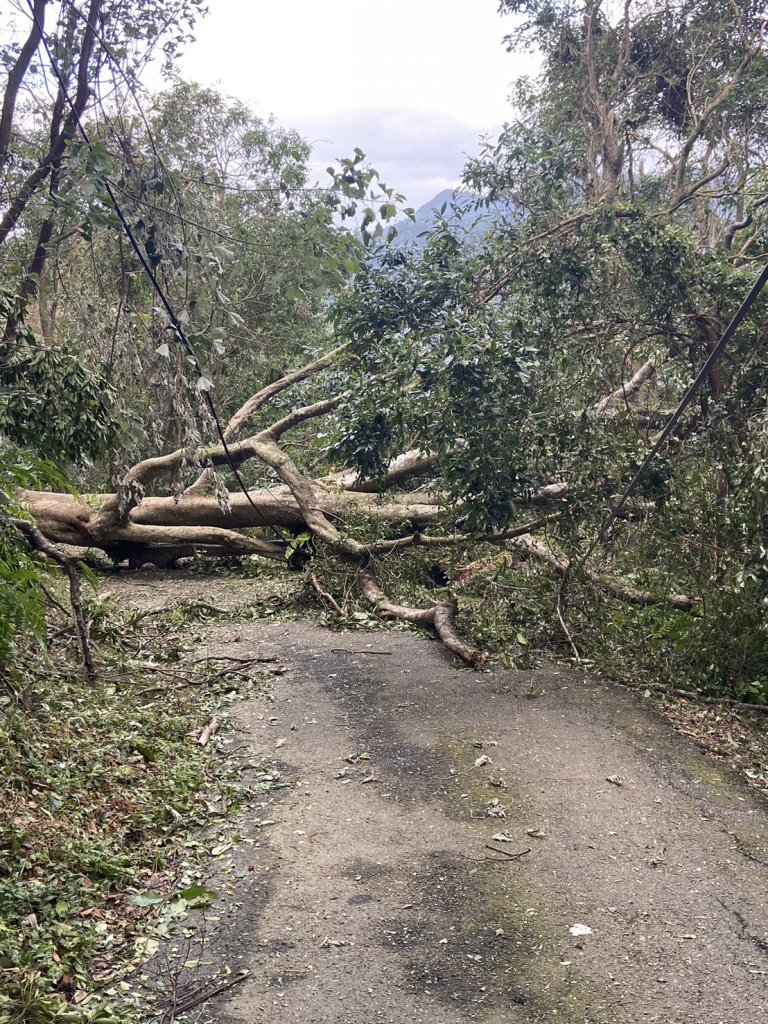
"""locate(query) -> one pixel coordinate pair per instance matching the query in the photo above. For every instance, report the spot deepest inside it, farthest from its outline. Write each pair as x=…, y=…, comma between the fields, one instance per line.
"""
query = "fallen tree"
x=489, y=387
x=135, y=524
x=131, y=524
x=140, y=527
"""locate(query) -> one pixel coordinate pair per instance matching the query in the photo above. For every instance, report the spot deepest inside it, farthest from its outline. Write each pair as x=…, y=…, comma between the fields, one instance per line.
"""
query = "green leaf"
x=197, y=896
x=146, y=899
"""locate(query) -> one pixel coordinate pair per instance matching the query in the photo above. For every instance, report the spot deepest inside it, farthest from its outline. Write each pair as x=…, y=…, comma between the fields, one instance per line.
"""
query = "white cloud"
x=417, y=152
x=411, y=82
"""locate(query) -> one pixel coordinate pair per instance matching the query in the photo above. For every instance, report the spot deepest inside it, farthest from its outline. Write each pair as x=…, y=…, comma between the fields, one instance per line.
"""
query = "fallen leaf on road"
x=495, y=809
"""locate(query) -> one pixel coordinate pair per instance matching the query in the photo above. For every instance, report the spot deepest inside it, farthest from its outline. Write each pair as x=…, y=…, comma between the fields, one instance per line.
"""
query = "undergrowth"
x=508, y=606
x=103, y=795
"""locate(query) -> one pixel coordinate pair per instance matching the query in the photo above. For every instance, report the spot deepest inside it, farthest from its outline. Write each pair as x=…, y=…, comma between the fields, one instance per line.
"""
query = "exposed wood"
x=614, y=402
x=81, y=521
x=208, y=731
x=440, y=617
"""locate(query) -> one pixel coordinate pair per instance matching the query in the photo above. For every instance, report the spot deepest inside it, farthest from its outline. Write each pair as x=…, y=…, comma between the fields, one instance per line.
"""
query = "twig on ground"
x=184, y=681
x=210, y=730
x=186, y=605
x=230, y=657
x=700, y=698
x=346, y=650
x=202, y=995
x=511, y=856
x=324, y=595
x=56, y=603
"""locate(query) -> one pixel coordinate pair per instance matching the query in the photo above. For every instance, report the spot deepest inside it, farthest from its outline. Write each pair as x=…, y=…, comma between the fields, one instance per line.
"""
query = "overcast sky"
x=414, y=83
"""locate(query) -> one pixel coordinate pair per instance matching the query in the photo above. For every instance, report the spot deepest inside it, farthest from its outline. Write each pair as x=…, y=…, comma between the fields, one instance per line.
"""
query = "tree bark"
x=16, y=77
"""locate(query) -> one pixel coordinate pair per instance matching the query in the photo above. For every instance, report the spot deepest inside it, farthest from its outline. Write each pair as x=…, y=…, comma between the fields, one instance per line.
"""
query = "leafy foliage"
x=22, y=576
x=601, y=259
x=103, y=795
x=51, y=400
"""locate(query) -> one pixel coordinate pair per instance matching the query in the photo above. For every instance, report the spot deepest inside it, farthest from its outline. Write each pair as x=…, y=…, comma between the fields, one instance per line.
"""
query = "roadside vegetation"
x=114, y=793
x=206, y=356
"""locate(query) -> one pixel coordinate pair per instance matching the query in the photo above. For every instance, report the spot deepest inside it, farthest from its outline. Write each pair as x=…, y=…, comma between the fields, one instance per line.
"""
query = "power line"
x=685, y=401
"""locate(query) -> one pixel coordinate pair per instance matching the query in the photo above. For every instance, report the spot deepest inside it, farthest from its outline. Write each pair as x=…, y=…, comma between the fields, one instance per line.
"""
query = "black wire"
x=173, y=318
x=713, y=357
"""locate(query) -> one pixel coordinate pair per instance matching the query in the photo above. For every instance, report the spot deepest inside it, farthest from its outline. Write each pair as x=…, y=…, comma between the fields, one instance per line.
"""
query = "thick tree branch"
x=298, y=416
x=61, y=138
x=745, y=222
x=406, y=466
x=16, y=76
x=622, y=591
x=82, y=521
x=255, y=402
x=441, y=617
x=611, y=404
x=204, y=536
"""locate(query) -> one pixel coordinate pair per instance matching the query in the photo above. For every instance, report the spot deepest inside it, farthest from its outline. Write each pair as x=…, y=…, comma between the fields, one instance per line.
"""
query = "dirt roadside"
x=367, y=893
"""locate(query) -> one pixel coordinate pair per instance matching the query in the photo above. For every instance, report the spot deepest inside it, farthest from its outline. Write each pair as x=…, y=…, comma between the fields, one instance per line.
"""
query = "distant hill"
x=474, y=221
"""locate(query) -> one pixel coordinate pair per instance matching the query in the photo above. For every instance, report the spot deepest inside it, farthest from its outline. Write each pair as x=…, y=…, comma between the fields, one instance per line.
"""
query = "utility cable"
x=685, y=401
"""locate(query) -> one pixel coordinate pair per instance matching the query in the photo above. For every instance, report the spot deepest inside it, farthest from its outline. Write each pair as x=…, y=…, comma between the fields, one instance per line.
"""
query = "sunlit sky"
x=414, y=83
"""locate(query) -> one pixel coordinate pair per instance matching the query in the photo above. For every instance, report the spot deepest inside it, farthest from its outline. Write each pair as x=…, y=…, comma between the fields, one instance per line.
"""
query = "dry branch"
x=615, y=588
x=208, y=731
x=41, y=543
x=324, y=595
